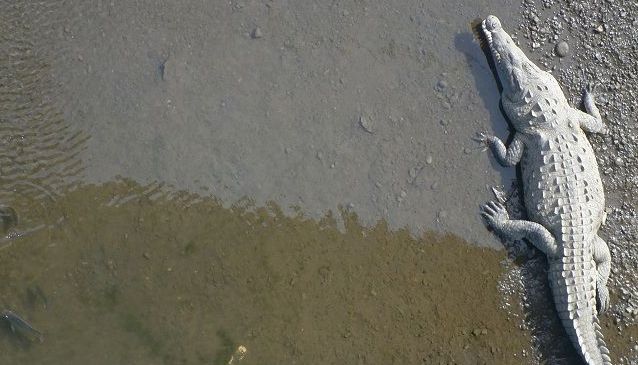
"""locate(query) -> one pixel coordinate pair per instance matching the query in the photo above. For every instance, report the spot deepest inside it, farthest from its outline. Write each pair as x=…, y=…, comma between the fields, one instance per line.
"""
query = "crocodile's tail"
x=585, y=333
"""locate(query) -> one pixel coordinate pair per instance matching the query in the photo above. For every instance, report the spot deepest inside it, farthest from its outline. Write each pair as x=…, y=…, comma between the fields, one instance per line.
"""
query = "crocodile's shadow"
x=541, y=318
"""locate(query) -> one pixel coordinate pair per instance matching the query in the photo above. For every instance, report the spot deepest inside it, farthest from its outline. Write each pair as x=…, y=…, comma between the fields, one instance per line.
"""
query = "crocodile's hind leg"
x=602, y=257
x=497, y=217
x=591, y=121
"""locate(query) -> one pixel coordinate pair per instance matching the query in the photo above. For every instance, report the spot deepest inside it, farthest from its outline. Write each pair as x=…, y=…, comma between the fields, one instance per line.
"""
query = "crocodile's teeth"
x=488, y=37
x=478, y=30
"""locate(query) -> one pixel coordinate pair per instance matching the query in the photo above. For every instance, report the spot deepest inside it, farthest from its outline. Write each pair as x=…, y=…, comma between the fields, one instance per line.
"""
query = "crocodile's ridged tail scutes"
x=585, y=333
x=602, y=346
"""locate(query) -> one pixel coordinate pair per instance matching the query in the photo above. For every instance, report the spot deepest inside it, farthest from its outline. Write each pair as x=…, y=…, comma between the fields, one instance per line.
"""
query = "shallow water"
x=184, y=280
x=189, y=188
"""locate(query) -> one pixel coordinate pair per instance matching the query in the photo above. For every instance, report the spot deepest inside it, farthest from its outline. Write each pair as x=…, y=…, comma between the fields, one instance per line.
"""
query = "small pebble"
x=256, y=33
x=428, y=160
x=413, y=172
x=599, y=29
x=366, y=124
x=441, y=85
x=618, y=161
x=561, y=49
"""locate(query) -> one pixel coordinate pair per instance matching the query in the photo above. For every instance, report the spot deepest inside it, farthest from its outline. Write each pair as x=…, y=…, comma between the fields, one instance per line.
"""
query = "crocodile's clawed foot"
x=484, y=139
x=590, y=91
x=495, y=214
x=602, y=299
x=499, y=194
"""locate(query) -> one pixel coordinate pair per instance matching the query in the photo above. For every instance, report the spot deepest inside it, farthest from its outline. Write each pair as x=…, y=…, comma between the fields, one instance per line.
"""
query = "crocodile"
x=562, y=188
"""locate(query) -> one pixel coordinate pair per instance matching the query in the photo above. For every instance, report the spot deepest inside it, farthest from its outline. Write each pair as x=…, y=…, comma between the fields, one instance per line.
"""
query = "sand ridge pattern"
x=39, y=151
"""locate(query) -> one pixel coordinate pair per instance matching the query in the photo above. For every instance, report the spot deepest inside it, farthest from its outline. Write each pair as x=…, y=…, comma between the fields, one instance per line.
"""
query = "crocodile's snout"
x=492, y=23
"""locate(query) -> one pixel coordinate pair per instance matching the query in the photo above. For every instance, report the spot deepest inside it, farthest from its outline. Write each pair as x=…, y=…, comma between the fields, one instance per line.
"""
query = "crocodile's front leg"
x=499, y=220
x=602, y=257
x=506, y=156
x=592, y=121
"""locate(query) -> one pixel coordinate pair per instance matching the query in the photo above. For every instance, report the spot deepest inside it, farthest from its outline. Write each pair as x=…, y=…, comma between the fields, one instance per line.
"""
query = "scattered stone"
x=561, y=49
x=428, y=159
x=441, y=85
x=256, y=33
x=599, y=29
x=366, y=124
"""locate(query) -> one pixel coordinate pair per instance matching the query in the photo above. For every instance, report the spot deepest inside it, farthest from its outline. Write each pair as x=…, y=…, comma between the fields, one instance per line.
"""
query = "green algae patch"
x=136, y=277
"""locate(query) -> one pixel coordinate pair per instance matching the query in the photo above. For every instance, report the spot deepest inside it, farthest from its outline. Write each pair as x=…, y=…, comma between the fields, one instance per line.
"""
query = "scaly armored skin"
x=562, y=188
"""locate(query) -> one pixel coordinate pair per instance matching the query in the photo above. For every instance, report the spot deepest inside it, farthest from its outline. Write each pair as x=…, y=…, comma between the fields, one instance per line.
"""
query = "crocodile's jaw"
x=515, y=70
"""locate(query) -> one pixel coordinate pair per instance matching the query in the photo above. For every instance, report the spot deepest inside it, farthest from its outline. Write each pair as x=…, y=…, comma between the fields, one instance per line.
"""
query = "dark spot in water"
x=161, y=68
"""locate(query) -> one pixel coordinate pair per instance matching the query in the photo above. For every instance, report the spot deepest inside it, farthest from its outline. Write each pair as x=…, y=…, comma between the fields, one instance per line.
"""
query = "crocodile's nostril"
x=492, y=23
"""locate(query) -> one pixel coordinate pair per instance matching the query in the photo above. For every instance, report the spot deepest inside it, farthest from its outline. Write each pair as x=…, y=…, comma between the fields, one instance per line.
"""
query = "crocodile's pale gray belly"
x=562, y=186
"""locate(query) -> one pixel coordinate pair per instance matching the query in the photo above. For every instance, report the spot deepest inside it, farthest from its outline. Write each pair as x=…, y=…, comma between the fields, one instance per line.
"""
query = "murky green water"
x=119, y=278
